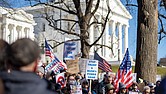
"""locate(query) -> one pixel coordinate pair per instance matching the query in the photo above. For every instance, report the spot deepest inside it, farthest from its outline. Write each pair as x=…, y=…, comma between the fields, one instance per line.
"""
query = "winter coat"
x=18, y=82
x=162, y=87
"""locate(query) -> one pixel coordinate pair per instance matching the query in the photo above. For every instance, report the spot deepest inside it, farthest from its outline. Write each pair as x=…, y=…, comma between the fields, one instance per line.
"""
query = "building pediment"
x=18, y=15
x=118, y=8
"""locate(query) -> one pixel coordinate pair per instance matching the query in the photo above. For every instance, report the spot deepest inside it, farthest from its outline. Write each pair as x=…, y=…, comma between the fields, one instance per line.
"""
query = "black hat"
x=121, y=85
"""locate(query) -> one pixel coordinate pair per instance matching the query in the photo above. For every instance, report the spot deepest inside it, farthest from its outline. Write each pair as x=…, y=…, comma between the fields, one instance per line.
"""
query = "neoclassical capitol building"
x=15, y=24
x=115, y=34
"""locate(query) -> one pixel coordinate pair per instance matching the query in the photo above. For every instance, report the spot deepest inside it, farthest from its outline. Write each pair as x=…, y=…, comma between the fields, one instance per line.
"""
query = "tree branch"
x=161, y=15
x=106, y=47
x=50, y=21
x=133, y=5
x=161, y=30
x=59, y=43
x=60, y=8
x=104, y=26
x=94, y=23
x=96, y=7
x=89, y=7
x=78, y=8
x=66, y=20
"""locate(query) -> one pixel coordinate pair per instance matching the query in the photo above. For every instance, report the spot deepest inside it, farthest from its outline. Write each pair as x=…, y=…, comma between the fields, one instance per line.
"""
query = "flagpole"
x=90, y=83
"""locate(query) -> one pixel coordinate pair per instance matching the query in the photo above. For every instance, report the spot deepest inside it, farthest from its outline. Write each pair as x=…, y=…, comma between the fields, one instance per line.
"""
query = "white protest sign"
x=134, y=77
x=82, y=65
x=91, y=69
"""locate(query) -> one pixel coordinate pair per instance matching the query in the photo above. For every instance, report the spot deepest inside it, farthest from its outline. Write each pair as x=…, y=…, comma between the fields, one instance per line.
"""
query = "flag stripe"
x=103, y=64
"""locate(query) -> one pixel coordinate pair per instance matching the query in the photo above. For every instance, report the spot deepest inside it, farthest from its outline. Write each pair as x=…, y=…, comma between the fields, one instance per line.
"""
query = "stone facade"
x=15, y=24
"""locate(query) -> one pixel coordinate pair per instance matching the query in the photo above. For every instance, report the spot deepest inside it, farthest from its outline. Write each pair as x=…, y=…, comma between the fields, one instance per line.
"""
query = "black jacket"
x=18, y=82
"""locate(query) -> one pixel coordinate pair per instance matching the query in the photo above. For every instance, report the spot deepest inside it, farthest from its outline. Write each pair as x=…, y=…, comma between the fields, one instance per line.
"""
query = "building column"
x=125, y=37
x=19, y=32
x=15, y=33
x=113, y=26
x=106, y=41
x=30, y=33
x=4, y=26
x=11, y=34
x=120, y=42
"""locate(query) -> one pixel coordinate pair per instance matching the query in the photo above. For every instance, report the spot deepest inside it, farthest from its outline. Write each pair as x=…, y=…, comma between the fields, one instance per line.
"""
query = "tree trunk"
x=85, y=47
x=146, y=55
x=85, y=50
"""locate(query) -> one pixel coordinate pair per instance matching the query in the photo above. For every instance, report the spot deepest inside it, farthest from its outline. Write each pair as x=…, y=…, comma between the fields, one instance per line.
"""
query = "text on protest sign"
x=91, y=69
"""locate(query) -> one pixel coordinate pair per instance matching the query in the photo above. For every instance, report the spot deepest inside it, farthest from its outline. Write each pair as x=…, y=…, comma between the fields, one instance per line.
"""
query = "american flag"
x=48, y=51
x=103, y=64
x=56, y=65
x=124, y=74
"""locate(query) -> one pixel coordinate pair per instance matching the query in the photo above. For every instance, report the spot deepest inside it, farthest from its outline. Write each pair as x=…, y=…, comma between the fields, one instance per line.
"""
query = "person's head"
x=158, y=83
x=109, y=88
x=40, y=71
x=151, y=85
x=4, y=55
x=146, y=90
x=71, y=79
x=25, y=54
x=122, y=88
x=135, y=85
x=109, y=77
x=85, y=84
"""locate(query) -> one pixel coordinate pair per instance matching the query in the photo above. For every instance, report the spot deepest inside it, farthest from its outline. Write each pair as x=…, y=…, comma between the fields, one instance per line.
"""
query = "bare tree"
x=83, y=11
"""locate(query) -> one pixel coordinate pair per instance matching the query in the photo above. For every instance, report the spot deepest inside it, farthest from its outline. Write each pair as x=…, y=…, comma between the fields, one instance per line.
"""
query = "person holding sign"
x=85, y=88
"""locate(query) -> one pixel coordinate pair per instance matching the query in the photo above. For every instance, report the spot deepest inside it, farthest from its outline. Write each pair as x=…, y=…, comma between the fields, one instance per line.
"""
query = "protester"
x=40, y=72
x=146, y=90
x=157, y=86
x=22, y=79
x=162, y=87
x=122, y=89
x=152, y=90
x=85, y=87
x=71, y=82
x=110, y=89
x=108, y=79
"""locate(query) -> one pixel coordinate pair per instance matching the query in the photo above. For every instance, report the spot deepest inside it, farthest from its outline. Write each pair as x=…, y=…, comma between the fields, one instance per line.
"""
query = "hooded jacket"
x=18, y=82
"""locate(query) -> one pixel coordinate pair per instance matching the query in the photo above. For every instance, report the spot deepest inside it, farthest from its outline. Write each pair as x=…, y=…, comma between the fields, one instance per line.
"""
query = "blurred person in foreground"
x=23, y=79
x=161, y=87
x=4, y=56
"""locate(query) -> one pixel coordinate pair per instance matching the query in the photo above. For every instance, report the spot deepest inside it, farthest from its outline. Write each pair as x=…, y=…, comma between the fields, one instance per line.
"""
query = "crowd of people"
x=20, y=74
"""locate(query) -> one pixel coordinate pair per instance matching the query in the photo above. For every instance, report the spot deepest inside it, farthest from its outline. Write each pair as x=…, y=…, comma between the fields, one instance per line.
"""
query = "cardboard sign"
x=72, y=66
x=92, y=69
